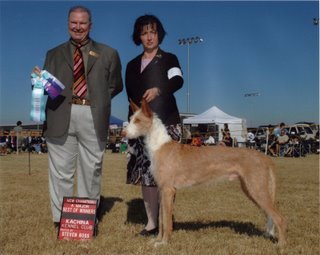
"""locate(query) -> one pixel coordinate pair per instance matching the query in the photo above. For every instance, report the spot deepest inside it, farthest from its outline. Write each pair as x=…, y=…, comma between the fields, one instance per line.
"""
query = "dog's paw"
x=159, y=243
x=152, y=240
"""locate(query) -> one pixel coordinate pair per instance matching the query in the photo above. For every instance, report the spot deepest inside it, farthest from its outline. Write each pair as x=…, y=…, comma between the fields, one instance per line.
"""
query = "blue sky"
x=269, y=47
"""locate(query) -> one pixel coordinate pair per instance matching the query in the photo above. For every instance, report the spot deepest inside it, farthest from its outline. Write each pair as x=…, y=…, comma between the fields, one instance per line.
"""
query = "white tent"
x=237, y=126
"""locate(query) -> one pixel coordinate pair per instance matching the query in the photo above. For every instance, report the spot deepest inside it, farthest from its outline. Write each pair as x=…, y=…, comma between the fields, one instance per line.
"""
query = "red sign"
x=78, y=218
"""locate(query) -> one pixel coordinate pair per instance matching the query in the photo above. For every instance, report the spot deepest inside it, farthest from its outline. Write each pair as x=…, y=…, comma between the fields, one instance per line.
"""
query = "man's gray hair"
x=81, y=9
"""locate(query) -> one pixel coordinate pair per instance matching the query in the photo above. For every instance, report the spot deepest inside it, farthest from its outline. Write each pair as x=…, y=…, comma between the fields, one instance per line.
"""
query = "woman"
x=225, y=130
x=154, y=75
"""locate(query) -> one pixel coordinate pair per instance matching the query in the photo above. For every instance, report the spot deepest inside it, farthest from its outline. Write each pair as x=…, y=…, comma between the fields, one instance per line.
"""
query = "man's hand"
x=37, y=71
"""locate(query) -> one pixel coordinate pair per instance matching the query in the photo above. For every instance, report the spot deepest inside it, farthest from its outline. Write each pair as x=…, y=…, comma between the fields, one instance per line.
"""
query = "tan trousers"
x=80, y=152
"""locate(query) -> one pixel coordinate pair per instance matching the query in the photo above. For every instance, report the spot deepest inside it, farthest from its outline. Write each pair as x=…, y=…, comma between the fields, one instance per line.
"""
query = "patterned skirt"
x=138, y=168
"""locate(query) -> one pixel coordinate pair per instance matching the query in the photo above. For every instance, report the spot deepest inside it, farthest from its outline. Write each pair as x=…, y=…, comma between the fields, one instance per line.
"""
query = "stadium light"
x=251, y=94
x=188, y=41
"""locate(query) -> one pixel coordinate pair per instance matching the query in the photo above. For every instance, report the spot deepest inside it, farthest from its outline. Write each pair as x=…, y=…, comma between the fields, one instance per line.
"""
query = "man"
x=274, y=137
x=277, y=130
x=281, y=140
x=76, y=126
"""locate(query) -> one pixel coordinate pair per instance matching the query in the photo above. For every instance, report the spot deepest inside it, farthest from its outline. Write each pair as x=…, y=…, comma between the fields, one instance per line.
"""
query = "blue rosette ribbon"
x=47, y=82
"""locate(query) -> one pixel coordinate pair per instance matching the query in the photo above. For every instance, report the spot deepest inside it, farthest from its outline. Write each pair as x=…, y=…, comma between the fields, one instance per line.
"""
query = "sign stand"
x=78, y=218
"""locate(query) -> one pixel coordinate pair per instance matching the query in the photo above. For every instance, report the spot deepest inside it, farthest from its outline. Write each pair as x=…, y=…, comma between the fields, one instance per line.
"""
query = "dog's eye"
x=137, y=120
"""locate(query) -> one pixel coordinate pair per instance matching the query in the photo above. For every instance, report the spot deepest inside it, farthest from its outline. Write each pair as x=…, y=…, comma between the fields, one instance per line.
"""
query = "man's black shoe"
x=56, y=224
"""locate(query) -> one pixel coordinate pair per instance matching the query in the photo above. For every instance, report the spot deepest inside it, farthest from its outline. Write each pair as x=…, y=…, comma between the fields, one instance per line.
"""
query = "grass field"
x=215, y=219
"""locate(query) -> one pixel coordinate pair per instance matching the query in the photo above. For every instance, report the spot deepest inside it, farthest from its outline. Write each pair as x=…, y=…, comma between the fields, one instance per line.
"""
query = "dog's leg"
x=160, y=221
x=158, y=240
x=166, y=211
x=270, y=227
x=278, y=220
x=274, y=215
x=262, y=193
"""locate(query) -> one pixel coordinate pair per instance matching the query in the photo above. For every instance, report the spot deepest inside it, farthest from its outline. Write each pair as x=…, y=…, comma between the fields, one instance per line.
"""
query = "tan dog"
x=176, y=165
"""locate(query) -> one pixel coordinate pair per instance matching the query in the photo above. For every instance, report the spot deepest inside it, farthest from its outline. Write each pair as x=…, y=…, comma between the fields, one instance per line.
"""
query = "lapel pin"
x=94, y=54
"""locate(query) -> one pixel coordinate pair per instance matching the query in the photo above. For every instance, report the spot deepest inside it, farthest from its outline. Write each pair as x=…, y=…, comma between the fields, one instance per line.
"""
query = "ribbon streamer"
x=51, y=85
x=37, y=113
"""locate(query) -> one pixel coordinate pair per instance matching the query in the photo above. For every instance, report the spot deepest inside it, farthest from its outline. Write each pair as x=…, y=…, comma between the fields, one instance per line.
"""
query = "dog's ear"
x=133, y=106
x=146, y=108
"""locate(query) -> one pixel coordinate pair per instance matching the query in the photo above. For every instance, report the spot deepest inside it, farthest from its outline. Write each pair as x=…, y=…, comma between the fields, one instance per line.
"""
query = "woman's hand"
x=151, y=94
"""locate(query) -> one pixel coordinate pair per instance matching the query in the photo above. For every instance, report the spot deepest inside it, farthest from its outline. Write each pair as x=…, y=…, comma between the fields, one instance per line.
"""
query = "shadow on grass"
x=136, y=212
x=106, y=204
x=243, y=228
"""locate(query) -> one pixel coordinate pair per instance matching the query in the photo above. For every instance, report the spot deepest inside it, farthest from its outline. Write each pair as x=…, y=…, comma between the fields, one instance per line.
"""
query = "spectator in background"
x=209, y=141
x=227, y=140
x=18, y=137
x=225, y=130
x=277, y=130
x=281, y=140
x=273, y=139
x=3, y=145
x=196, y=140
x=18, y=128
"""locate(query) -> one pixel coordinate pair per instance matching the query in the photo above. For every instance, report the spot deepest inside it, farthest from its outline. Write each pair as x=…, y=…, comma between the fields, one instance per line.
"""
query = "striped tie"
x=79, y=84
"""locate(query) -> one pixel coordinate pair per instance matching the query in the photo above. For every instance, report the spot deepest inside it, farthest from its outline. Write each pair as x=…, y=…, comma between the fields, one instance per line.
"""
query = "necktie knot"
x=80, y=44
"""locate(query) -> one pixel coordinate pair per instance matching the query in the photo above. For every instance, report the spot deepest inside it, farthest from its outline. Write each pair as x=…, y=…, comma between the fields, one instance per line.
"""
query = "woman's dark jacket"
x=163, y=72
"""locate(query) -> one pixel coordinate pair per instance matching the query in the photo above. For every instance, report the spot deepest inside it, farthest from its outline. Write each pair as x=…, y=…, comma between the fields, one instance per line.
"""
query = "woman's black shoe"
x=150, y=232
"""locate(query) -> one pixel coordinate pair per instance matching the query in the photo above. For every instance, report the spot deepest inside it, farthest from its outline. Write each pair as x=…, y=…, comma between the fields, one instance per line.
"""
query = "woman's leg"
x=151, y=203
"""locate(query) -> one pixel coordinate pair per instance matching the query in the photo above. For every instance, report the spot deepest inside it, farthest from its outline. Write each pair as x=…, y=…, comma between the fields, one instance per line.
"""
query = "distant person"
x=225, y=130
x=227, y=140
x=277, y=130
x=209, y=141
x=281, y=140
x=273, y=138
x=18, y=128
x=196, y=141
x=154, y=75
x=3, y=145
x=77, y=121
x=251, y=140
x=293, y=146
x=18, y=133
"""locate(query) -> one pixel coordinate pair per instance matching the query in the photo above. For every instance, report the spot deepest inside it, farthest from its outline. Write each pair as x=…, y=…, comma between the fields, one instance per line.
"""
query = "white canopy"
x=237, y=126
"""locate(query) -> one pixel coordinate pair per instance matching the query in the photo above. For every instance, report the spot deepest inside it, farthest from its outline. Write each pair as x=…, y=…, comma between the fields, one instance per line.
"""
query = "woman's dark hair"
x=147, y=20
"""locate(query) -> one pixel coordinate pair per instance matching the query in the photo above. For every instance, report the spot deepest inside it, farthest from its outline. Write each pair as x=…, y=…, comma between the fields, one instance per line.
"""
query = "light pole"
x=188, y=41
x=251, y=94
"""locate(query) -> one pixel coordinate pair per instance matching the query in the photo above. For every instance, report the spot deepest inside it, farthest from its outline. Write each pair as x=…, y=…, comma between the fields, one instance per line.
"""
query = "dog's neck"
x=157, y=136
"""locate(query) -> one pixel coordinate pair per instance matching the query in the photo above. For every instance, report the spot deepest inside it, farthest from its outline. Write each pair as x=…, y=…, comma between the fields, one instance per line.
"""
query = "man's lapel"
x=67, y=54
x=93, y=55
